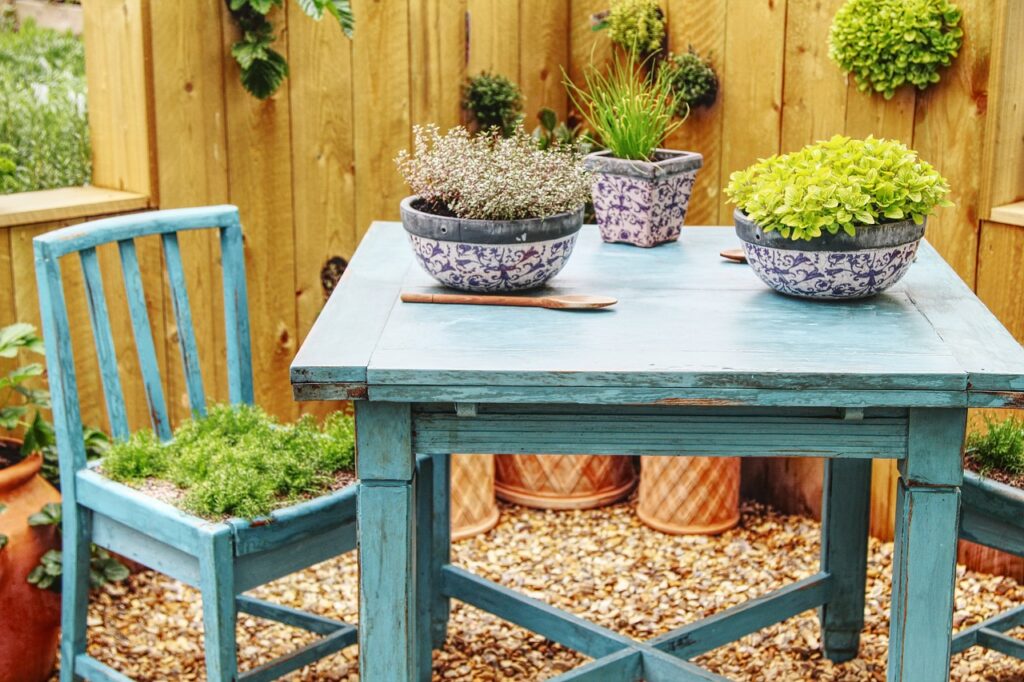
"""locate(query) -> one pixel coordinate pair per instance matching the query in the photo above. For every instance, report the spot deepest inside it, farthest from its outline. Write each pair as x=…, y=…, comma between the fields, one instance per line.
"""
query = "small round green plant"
x=494, y=101
x=837, y=185
x=638, y=26
x=888, y=43
x=1000, y=448
x=694, y=82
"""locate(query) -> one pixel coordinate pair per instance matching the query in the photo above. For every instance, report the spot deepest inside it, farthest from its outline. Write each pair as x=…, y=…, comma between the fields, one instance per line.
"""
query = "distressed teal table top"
x=689, y=328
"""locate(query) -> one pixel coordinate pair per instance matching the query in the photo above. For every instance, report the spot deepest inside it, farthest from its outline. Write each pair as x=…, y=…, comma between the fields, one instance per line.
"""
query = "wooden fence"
x=312, y=167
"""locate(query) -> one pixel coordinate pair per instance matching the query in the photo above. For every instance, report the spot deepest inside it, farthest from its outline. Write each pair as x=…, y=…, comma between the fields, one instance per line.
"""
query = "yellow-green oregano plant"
x=638, y=26
x=889, y=43
x=840, y=184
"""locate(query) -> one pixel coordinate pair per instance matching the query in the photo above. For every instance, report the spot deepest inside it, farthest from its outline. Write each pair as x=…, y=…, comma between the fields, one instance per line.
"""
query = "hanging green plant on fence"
x=493, y=101
x=263, y=67
x=889, y=43
x=637, y=26
x=694, y=83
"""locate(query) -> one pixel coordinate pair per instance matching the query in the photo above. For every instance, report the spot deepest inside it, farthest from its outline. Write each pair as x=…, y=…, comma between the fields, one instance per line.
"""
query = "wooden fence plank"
x=1000, y=263
x=585, y=45
x=494, y=30
x=437, y=60
x=543, y=53
x=1003, y=165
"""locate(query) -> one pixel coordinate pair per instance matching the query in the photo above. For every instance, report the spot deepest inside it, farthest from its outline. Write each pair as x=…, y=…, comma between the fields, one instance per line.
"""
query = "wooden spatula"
x=567, y=302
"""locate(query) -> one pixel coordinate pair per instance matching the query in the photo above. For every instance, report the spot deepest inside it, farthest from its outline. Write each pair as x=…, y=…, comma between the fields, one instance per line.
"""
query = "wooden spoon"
x=567, y=302
x=734, y=255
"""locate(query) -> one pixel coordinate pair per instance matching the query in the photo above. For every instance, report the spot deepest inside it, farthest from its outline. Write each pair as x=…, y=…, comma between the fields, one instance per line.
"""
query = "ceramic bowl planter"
x=490, y=256
x=689, y=495
x=642, y=202
x=30, y=621
x=563, y=481
x=832, y=266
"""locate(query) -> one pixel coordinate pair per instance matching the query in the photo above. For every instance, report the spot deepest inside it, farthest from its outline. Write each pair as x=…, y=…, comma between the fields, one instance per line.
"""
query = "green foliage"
x=494, y=101
x=238, y=461
x=886, y=43
x=44, y=134
x=631, y=113
x=552, y=133
x=488, y=177
x=21, y=399
x=838, y=184
x=96, y=444
x=264, y=68
x=638, y=26
x=103, y=568
x=1000, y=448
x=694, y=83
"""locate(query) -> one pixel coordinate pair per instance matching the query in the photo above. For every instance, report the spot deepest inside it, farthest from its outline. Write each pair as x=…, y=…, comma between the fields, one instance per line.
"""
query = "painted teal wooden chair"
x=222, y=559
x=992, y=514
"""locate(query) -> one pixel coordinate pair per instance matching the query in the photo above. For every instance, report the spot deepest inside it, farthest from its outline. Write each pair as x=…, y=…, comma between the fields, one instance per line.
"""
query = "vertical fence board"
x=543, y=53
x=1000, y=264
x=586, y=46
x=1003, y=174
x=437, y=60
x=494, y=30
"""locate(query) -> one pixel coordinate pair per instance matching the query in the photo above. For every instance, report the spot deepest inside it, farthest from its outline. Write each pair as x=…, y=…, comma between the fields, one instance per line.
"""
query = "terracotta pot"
x=474, y=509
x=689, y=495
x=29, y=626
x=563, y=481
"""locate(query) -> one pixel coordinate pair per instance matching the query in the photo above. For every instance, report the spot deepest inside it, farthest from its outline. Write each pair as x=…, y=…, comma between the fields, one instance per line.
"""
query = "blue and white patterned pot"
x=490, y=256
x=833, y=266
x=642, y=202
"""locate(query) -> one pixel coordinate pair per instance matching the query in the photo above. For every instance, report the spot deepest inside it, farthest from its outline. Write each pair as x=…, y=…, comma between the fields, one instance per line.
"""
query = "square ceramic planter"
x=643, y=202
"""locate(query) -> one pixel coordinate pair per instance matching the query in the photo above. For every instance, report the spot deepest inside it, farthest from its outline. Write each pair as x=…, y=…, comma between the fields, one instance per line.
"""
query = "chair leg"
x=77, y=538
x=441, y=545
x=216, y=583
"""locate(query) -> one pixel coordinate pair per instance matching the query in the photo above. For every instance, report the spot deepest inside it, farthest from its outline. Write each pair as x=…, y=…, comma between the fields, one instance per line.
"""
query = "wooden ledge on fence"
x=68, y=203
x=1010, y=214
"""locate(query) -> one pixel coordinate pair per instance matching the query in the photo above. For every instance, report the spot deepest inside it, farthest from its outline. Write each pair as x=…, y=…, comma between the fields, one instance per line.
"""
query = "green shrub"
x=44, y=134
x=239, y=461
x=838, y=184
x=886, y=43
x=630, y=113
x=1001, y=448
x=494, y=101
x=694, y=83
x=638, y=26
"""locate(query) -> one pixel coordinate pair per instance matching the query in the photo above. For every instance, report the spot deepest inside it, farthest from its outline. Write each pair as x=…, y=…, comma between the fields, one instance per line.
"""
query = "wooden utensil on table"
x=566, y=302
x=734, y=255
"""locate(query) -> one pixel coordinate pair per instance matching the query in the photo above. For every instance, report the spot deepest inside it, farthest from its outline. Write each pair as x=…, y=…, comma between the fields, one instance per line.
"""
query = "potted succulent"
x=641, y=192
x=838, y=219
x=491, y=214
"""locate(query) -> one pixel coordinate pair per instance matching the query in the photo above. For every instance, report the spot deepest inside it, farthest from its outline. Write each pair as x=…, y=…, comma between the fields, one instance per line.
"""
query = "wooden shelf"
x=1010, y=214
x=69, y=203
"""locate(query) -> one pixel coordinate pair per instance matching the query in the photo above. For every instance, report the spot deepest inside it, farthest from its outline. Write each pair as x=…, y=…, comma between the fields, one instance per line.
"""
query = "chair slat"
x=144, y=339
x=183, y=318
x=104, y=338
x=236, y=316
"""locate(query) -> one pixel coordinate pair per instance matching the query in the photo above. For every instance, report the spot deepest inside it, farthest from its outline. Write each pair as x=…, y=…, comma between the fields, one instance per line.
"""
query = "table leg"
x=441, y=546
x=845, y=512
x=389, y=639
x=924, y=564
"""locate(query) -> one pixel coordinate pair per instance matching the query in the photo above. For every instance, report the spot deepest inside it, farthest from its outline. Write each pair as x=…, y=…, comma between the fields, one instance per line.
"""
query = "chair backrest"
x=83, y=239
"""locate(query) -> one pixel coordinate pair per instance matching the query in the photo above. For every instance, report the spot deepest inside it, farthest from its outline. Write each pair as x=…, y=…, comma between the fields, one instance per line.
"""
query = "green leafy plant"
x=21, y=400
x=263, y=67
x=96, y=444
x=694, y=82
x=551, y=133
x=837, y=185
x=3, y=538
x=886, y=43
x=630, y=112
x=44, y=132
x=494, y=101
x=238, y=461
x=638, y=26
x=103, y=568
x=487, y=177
x=1000, y=448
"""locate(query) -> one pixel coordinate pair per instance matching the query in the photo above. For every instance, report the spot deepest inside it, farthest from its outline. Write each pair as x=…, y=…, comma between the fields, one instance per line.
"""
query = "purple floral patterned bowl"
x=643, y=202
x=833, y=266
x=490, y=256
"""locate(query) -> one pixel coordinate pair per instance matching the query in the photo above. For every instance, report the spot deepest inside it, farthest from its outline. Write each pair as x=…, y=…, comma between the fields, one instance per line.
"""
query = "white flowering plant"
x=488, y=177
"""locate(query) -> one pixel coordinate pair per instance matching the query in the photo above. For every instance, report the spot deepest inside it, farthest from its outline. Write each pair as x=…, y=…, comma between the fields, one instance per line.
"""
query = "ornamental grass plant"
x=839, y=184
x=1000, y=448
x=489, y=177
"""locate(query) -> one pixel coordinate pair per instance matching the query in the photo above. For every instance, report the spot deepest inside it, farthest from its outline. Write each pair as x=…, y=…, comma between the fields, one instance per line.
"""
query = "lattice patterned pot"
x=474, y=509
x=490, y=256
x=563, y=481
x=689, y=495
x=832, y=266
x=643, y=202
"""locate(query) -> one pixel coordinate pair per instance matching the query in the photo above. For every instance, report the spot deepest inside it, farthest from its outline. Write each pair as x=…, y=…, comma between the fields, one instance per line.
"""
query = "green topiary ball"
x=694, y=83
x=637, y=25
x=495, y=102
x=887, y=43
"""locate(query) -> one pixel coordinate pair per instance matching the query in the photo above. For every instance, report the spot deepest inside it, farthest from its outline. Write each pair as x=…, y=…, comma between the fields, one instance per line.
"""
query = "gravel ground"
x=602, y=564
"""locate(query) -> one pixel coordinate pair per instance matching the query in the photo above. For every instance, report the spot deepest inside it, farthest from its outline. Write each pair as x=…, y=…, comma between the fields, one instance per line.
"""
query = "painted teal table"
x=697, y=358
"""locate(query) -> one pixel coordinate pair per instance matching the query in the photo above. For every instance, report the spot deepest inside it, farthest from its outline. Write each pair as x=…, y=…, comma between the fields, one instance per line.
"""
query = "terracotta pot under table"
x=29, y=617
x=473, y=507
x=689, y=495
x=563, y=481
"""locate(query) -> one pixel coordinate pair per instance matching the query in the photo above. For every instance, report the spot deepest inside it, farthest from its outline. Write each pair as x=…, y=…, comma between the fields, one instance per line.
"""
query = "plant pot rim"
x=880, y=235
x=472, y=231
x=21, y=473
x=991, y=485
x=668, y=162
